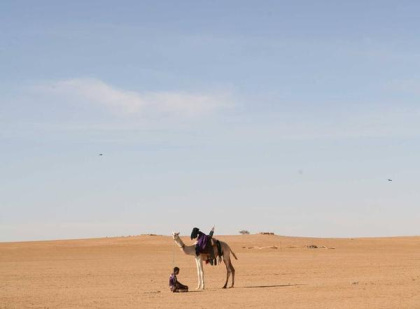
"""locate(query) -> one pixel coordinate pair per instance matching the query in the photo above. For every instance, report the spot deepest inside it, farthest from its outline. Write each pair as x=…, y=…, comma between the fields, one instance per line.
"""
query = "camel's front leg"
x=200, y=272
x=200, y=262
x=197, y=263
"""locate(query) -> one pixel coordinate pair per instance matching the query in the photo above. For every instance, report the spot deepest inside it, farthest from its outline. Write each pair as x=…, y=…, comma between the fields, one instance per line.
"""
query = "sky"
x=123, y=118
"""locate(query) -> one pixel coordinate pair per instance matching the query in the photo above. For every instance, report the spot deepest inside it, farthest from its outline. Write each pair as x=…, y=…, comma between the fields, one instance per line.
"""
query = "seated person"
x=174, y=284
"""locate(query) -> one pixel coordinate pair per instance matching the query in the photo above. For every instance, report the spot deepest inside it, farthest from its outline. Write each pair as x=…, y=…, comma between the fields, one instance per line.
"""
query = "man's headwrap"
x=194, y=233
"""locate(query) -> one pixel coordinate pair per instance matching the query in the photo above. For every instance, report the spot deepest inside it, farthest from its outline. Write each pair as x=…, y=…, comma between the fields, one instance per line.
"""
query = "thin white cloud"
x=94, y=91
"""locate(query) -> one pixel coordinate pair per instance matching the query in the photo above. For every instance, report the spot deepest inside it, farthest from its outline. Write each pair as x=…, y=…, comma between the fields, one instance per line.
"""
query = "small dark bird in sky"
x=100, y=154
x=389, y=179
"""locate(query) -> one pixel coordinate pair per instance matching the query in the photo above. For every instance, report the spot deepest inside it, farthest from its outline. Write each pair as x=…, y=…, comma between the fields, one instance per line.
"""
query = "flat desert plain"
x=271, y=272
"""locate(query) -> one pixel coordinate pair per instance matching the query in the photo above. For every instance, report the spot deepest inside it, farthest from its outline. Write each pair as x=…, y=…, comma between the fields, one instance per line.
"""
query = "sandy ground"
x=271, y=272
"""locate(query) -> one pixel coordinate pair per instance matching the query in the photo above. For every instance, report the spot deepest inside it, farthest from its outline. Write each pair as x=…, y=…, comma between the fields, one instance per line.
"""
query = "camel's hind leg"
x=229, y=270
x=233, y=275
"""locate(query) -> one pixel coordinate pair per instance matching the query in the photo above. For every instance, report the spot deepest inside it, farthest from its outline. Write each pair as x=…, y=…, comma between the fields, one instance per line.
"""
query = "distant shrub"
x=244, y=232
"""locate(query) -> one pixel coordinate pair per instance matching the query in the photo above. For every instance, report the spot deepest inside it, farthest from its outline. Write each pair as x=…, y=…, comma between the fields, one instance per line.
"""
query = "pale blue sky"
x=279, y=116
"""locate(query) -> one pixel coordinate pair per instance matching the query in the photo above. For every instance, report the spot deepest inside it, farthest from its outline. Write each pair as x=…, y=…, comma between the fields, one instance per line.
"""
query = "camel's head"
x=178, y=240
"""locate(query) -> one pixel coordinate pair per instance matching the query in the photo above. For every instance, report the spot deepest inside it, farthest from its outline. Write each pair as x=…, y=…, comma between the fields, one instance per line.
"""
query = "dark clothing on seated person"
x=176, y=286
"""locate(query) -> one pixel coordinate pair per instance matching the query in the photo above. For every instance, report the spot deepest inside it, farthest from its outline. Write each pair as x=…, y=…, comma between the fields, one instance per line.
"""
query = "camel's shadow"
x=267, y=286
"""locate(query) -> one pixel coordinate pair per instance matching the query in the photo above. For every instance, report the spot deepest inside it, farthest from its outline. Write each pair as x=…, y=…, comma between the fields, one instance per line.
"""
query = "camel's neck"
x=179, y=242
x=190, y=250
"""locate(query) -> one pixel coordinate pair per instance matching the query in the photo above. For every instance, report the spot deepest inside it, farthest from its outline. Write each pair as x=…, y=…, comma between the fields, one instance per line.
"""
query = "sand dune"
x=272, y=272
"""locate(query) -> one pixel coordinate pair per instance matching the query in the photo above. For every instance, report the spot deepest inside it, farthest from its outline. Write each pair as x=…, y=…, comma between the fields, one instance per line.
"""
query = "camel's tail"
x=233, y=253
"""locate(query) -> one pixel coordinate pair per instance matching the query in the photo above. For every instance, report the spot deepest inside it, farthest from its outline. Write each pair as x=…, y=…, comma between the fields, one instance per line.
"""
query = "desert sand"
x=271, y=272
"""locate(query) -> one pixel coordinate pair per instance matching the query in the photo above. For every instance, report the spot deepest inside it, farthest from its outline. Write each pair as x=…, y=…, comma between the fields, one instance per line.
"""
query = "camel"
x=225, y=255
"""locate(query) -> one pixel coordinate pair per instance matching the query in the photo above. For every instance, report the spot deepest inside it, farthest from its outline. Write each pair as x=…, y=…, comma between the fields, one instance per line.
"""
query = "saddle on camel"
x=205, y=244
